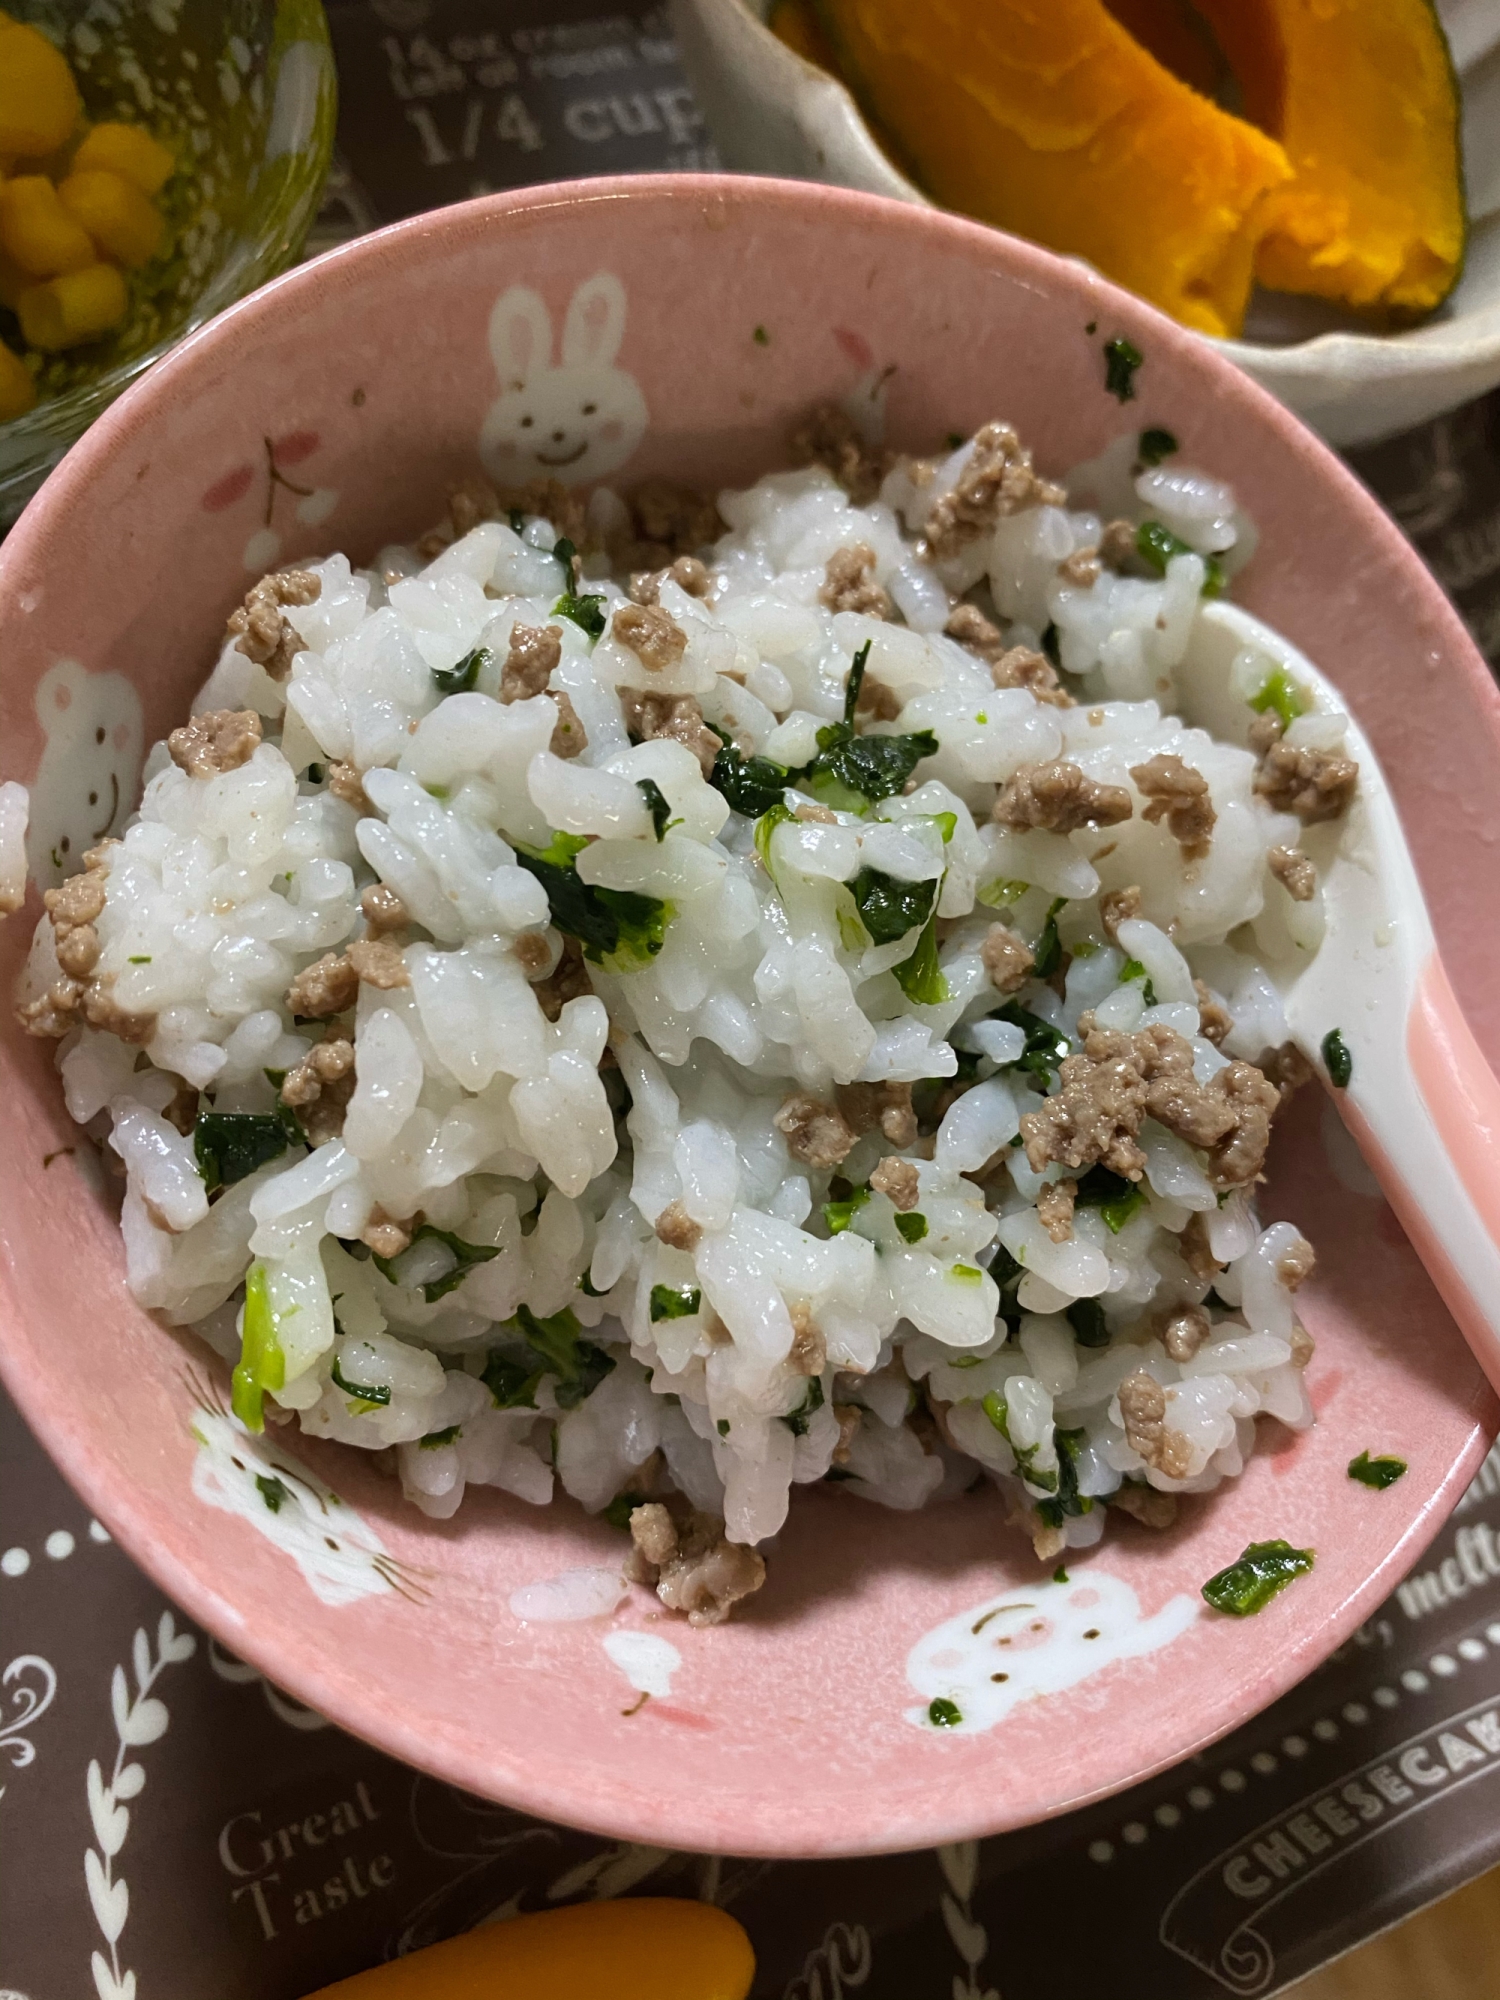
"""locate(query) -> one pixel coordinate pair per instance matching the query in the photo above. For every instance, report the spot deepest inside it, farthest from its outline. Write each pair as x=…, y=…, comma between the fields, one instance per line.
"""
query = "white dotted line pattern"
x=59, y=1545
x=1135, y=1832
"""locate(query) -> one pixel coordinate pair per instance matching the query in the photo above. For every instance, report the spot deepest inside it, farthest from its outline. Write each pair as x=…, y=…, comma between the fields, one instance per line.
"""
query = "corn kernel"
x=123, y=223
x=78, y=306
x=39, y=102
x=17, y=389
x=126, y=150
x=36, y=231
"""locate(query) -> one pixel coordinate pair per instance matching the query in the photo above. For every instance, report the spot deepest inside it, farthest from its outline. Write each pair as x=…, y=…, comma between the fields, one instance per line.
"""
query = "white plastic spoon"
x=1422, y=1103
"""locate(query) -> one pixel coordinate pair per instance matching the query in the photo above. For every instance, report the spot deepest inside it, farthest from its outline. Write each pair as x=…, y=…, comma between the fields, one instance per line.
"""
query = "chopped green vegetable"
x=1337, y=1059
x=912, y=1227
x=995, y=1408
x=1048, y=949
x=1060, y=1574
x=855, y=682
x=230, y=1145
x=966, y=1274
x=1376, y=1472
x=578, y=1364
x=656, y=805
x=512, y=1383
x=944, y=1714
x=589, y=1289
x=669, y=1303
x=1066, y=1503
x=374, y=1395
x=722, y=1427
x=850, y=771
x=920, y=977
x=798, y=1420
x=1279, y=691
x=620, y=1509
x=564, y=552
x=587, y=613
x=1133, y=969
x=144, y=959
x=752, y=785
x=1249, y=1584
x=1001, y=892
x=1086, y=1317
x=275, y=1492
x=1045, y=1045
x=1156, y=545
x=1116, y=1198
x=461, y=679
x=765, y=826
x=616, y=927
x=465, y=1257
x=1121, y=359
x=761, y=337
x=888, y=909
x=947, y=825
x=839, y=1214
x=1154, y=445
x=262, y=1364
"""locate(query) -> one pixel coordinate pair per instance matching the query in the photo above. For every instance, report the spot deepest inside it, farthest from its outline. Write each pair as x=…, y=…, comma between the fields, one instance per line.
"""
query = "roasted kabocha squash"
x=1046, y=118
x=1361, y=93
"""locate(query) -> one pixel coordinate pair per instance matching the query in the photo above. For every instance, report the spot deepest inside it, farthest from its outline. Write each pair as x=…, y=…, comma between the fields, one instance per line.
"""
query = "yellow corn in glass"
x=36, y=232
x=67, y=310
x=39, y=101
x=130, y=152
x=120, y=219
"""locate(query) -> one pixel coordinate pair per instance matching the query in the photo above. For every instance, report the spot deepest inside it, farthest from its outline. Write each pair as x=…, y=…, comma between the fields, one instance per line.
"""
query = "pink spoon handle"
x=1437, y=1155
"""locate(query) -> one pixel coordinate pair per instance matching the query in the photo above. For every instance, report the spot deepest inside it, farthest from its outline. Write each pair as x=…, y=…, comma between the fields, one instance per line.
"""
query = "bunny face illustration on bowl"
x=577, y=420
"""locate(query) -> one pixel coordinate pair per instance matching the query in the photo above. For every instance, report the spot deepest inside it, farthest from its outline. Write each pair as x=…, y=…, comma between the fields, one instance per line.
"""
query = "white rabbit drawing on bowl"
x=576, y=421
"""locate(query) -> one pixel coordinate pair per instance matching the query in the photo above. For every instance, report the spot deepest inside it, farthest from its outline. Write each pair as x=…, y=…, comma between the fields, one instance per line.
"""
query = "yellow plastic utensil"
x=646, y=1948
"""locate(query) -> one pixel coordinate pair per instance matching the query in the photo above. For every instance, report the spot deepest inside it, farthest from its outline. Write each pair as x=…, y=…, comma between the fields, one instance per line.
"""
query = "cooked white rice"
x=476, y=1116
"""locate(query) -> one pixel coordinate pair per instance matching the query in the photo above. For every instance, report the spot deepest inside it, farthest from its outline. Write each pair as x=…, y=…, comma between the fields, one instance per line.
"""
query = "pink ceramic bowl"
x=331, y=411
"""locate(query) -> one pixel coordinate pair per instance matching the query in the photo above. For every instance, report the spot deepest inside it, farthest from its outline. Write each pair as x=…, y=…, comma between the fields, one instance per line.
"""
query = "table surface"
x=263, y=1853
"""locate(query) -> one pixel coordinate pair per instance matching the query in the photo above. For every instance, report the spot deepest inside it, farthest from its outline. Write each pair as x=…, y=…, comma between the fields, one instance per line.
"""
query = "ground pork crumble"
x=1007, y=958
x=830, y=438
x=815, y=1133
x=677, y=717
x=1179, y=795
x=1316, y=785
x=221, y=740
x=260, y=630
x=1118, y=1079
x=691, y=1564
x=998, y=478
x=849, y=583
x=1010, y=666
x=1294, y=872
x=1059, y=798
x=1143, y=1411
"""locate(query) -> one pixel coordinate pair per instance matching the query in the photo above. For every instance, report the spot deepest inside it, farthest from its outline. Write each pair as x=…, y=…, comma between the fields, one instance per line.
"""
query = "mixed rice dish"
x=677, y=1000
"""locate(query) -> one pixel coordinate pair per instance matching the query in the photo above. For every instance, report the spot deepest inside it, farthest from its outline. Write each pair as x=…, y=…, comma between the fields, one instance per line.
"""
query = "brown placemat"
x=251, y=1851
